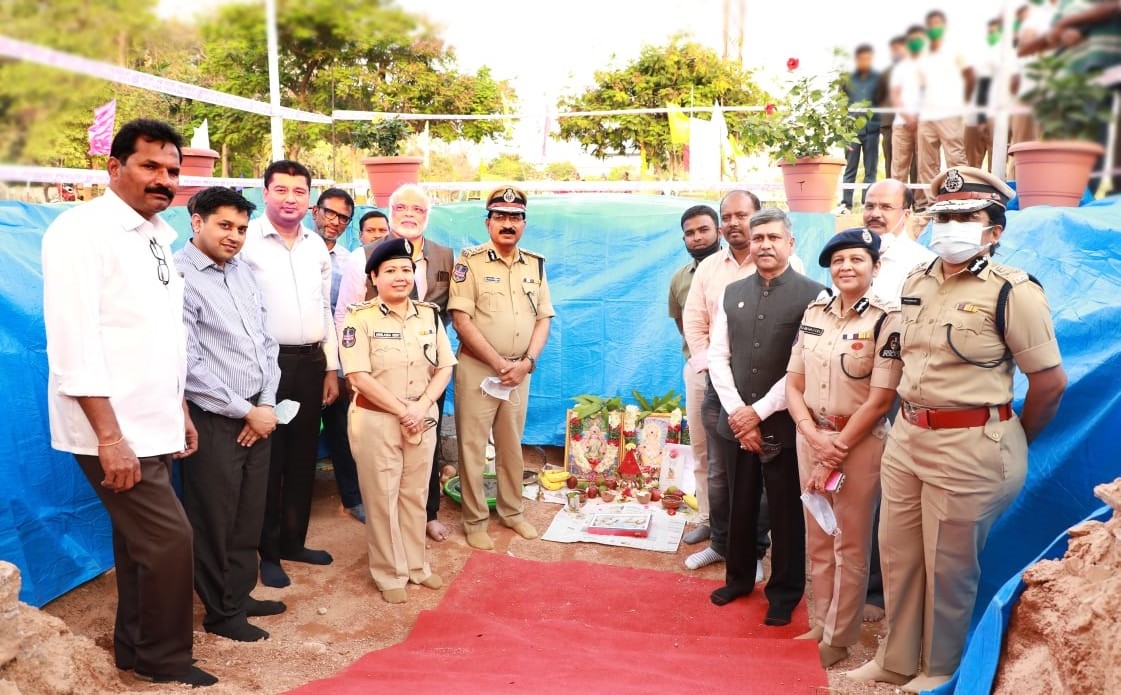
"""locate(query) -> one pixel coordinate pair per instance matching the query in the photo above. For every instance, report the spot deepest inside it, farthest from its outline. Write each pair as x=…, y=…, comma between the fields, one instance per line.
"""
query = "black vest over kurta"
x=763, y=320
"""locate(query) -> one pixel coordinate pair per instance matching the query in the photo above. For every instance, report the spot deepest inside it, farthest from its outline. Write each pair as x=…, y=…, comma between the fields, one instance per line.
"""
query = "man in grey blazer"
x=752, y=334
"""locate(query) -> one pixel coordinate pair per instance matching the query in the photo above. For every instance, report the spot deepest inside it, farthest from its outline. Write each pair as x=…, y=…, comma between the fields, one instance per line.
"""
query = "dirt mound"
x=38, y=653
x=1062, y=637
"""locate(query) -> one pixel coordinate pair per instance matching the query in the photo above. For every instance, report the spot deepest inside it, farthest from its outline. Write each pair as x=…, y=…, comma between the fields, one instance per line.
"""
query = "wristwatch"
x=532, y=363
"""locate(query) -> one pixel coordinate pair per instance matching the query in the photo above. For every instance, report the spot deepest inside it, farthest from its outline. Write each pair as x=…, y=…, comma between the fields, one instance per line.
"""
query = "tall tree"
x=682, y=72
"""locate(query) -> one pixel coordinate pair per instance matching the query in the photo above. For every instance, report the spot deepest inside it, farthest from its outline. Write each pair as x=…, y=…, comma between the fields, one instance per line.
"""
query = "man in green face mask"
x=948, y=82
x=906, y=96
x=978, y=128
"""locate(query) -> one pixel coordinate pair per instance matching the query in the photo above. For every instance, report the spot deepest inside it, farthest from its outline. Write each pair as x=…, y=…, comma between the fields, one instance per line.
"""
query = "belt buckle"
x=916, y=416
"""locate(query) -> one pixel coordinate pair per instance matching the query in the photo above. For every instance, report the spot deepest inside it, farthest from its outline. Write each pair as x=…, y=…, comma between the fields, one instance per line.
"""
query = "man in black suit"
x=748, y=352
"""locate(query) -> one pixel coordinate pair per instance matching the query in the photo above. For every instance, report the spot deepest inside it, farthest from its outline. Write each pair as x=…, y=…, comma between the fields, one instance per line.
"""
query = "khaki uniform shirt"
x=679, y=286
x=950, y=322
x=842, y=356
x=504, y=301
x=401, y=352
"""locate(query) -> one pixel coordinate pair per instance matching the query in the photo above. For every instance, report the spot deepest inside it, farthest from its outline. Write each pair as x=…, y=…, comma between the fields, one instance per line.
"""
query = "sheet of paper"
x=665, y=531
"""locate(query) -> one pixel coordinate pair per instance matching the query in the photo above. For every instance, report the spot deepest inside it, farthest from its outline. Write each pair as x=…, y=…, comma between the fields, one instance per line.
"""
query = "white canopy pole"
x=274, y=81
x=1000, y=96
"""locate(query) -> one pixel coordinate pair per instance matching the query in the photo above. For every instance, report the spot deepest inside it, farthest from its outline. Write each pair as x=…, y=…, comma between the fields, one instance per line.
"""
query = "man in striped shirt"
x=232, y=377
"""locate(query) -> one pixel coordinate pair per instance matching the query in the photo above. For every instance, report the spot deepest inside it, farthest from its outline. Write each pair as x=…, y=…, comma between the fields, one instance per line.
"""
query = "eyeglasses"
x=503, y=217
x=415, y=209
x=162, y=270
x=332, y=216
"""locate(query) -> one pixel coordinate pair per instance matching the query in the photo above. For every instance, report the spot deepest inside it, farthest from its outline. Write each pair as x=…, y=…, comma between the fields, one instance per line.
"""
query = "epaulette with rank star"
x=532, y=253
x=921, y=268
x=883, y=304
x=1012, y=275
x=430, y=305
x=359, y=306
x=472, y=251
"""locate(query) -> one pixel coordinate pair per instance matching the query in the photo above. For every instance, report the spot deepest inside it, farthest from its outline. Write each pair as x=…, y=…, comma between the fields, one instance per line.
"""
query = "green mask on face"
x=935, y=33
x=1036, y=2
x=1016, y=26
x=993, y=38
x=915, y=45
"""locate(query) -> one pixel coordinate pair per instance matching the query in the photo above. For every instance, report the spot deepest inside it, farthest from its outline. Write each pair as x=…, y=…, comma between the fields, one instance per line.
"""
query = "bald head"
x=887, y=206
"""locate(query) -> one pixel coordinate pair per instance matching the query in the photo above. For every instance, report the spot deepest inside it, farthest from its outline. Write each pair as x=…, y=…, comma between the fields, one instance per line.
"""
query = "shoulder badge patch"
x=893, y=348
x=812, y=330
x=459, y=272
x=349, y=336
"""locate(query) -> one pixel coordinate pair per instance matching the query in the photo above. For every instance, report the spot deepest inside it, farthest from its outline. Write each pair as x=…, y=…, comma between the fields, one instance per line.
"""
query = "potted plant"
x=386, y=169
x=801, y=130
x=1070, y=108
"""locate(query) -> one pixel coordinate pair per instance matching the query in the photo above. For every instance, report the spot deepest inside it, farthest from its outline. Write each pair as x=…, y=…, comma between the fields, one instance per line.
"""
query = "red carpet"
x=507, y=624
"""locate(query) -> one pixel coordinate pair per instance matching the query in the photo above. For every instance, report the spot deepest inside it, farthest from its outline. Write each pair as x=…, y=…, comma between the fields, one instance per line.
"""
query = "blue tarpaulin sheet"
x=609, y=261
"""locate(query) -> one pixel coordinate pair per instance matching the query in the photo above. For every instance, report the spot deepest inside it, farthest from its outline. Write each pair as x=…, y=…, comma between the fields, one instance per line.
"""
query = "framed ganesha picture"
x=592, y=444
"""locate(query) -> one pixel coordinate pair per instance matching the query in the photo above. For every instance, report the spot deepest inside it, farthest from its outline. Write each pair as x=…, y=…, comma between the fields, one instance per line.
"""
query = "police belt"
x=944, y=419
x=834, y=423
x=366, y=404
x=464, y=350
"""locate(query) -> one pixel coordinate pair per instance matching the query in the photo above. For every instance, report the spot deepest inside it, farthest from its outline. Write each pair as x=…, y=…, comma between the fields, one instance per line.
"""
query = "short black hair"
x=124, y=142
x=372, y=213
x=207, y=201
x=908, y=198
x=287, y=166
x=697, y=211
x=936, y=14
x=751, y=196
x=896, y=40
x=863, y=48
x=916, y=29
x=996, y=215
x=336, y=193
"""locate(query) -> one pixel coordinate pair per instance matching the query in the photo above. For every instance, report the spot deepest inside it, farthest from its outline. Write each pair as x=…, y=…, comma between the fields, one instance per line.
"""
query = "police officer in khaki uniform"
x=501, y=309
x=957, y=454
x=398, y=361
x=841, y=381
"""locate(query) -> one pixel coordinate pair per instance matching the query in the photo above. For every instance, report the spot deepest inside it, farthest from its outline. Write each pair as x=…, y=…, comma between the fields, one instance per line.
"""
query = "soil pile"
x=1062, y=637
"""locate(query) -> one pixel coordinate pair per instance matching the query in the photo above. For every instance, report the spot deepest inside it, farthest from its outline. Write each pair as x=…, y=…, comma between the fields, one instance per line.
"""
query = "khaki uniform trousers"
x=393, y=477
x=903, y=158
x=694, y=397
x=477, y=416
x=1022, y=128
x=979, y=145
x=934, y=137
x=839, y=564
x=942, y=491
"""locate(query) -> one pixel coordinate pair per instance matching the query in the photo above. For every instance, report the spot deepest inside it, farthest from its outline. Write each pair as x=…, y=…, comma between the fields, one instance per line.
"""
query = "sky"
x=548, y=50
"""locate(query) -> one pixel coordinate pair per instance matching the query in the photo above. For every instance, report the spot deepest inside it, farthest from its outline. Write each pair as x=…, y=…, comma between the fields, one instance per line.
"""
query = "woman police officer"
x=398, y=361
x=841, y=382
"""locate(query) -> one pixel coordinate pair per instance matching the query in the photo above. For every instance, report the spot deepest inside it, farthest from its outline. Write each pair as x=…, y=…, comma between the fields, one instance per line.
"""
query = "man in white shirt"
x=887, y=212
x=906, y=96
x=293, y=270
x=947, y=85
x=113, y=308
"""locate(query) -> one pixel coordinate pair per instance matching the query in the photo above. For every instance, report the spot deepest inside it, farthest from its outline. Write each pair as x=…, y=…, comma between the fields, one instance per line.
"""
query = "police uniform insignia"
x=492, y=278
x=492, y=255
x=812, y=330
x=861, y=306
x=349, y=336
x=862, y=335
x=509, y=196
x=953, y=182
x=385, y=334
x=910, y=301
x=857, y=346
x=866, y=237
x=892, y=348
x=384, y=309
x=459, y=272
x=970, y=308
x=979, y=264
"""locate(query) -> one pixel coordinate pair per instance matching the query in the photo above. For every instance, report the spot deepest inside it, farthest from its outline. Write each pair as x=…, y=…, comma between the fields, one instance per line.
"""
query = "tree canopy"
x=682, y=72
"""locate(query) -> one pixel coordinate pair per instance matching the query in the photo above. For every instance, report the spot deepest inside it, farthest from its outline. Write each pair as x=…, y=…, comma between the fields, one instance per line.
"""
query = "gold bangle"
x=106, y=446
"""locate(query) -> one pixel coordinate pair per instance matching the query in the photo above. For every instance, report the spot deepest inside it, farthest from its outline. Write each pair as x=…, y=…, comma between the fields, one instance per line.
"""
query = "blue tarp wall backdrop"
x=610, y=258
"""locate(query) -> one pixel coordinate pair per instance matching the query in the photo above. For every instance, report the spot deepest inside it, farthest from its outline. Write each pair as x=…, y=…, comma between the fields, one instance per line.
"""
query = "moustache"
x=160, y=190
x=507, y=230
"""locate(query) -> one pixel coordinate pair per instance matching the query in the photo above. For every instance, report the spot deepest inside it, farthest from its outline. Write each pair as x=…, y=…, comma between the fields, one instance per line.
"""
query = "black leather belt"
x=304, y=349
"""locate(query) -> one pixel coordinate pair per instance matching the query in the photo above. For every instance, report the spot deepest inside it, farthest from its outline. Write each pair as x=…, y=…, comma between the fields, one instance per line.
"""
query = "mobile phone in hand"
x=834, y=482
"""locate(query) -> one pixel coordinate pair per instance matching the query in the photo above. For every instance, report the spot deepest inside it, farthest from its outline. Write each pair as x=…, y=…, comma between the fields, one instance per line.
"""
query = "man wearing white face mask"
x=957, y=454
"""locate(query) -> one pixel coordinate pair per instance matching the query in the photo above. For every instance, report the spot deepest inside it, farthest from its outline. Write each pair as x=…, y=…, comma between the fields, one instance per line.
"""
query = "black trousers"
x=433, y=504
x=292, y=459
x=152, y=552
x=224, y=487
x=746, y=478
x=338, y=445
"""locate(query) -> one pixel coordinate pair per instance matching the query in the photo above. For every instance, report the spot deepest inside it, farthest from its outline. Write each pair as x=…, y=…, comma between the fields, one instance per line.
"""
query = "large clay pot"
x=1053, y=172
x=387, y=174
x=811, y=183
x=194, y=162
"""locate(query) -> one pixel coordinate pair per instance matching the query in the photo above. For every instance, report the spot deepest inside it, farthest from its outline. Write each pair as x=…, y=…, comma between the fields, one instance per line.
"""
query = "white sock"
x=703, y=558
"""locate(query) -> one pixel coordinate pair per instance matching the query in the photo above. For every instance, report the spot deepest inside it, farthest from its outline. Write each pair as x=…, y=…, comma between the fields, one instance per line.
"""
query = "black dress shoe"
x=194, y=677
x=777, y=617
x=256, y=609
x=240, y=631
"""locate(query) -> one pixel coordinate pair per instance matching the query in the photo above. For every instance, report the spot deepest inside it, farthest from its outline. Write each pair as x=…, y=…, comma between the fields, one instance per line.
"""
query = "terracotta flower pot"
x=811, y=183
x=1053, y=172
x=195, y=162
x=387, y=174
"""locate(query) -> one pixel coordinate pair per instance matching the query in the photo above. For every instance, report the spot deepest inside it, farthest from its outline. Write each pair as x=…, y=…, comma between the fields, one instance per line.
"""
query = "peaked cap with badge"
x=506, y=199
x=965, y=189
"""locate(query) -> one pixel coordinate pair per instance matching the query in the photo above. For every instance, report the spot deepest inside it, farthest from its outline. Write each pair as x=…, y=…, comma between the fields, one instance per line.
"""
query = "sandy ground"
x=335, y=615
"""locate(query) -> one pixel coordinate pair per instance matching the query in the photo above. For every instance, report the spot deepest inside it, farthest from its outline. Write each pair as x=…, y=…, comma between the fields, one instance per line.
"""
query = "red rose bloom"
x=770, y=109
x=792, y=64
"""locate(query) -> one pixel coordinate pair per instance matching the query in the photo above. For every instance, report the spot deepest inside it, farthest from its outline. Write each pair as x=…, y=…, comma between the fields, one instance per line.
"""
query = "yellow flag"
x=678, y=125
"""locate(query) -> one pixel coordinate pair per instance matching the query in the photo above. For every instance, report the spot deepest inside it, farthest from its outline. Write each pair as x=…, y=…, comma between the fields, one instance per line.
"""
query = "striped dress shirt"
x=231, y=357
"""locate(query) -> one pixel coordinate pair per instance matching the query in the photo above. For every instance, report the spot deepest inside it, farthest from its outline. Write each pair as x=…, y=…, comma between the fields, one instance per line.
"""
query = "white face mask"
x=957, y=242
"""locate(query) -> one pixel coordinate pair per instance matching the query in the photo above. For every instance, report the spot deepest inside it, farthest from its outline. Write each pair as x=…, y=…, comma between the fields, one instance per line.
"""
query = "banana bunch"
x=552, y=478
x=692, y=502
